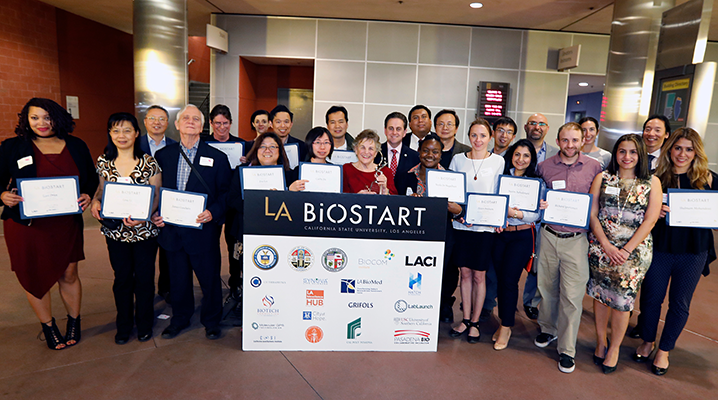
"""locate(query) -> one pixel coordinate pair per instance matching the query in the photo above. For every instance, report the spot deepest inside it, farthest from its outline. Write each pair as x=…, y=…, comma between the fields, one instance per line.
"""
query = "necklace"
x=476, y=172
x=625, y=202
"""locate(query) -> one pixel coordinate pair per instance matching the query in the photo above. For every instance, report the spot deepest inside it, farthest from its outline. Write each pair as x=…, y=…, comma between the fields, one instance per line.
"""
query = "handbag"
x=530, y=264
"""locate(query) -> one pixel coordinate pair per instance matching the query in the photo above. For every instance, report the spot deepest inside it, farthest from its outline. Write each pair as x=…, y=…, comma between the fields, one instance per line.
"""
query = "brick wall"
x=28, y=58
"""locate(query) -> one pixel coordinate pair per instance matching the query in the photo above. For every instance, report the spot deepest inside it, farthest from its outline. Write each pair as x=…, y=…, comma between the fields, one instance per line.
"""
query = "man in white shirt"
x=656, y=130
x=420, y=124
x=398, y=157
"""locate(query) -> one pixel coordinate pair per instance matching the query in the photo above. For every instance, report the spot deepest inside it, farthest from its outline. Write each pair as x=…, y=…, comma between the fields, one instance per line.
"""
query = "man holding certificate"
x=193, y=171
x=563, y=260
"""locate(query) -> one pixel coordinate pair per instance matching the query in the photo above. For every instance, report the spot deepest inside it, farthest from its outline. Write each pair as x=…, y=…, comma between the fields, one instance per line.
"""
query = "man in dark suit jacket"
x=397, y=156
x=190, y=249
x=156, y=123
x=282, y=120
x=420, y=124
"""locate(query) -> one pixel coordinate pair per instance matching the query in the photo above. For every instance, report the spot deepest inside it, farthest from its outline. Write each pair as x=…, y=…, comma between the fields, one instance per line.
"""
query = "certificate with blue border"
x=446, y=184
x=270, y=177
x=487, y=209
x=524, y=193
x=182, y=208
x=341, y=157
x=323, y=178
x=121, y=200
x=49, y=197
x=292, y=150
x=567, y=209
x=693, y=208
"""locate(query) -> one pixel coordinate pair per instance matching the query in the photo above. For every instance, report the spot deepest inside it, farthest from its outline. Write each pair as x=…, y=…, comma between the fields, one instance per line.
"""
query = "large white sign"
x=326, y=290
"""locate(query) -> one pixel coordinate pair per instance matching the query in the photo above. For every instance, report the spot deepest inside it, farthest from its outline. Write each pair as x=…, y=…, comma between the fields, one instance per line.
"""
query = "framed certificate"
x=447, y=184
x=693, y=208
x=487, y=209
x=325, y=178
x=262, y=178
x=524, y=193
x=121, y=200
x=568, y=209
x=341, y=157
x=233, y=150
x=49, y=197
x=292, y=151
x=182, y=208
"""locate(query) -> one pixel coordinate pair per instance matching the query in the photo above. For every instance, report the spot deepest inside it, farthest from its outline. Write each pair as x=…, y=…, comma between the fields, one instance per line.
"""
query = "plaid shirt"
x=183, y=169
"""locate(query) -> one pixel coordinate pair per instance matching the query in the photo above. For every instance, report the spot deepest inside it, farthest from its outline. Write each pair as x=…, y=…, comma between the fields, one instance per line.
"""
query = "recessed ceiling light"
x=583, y=84
x=476, y=5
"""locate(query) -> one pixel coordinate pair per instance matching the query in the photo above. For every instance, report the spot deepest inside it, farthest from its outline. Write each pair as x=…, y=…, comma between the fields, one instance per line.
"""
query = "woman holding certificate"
x=627, y=202
x=474, y=244
x=681, y=253
x=365, y=176
x=131, y=244
x=45, y=251
x=516, y=243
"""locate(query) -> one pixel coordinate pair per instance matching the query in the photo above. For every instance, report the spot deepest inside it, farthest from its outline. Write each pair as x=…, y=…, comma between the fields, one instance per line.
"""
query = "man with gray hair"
x=194, y=166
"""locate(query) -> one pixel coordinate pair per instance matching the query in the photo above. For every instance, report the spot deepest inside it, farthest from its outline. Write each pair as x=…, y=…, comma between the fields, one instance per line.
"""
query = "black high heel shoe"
x=473, y=339
x=53, y=336
x=607, y=369
x=642, y=359
x=73, y=331
x=454, y=333
x=658, y=370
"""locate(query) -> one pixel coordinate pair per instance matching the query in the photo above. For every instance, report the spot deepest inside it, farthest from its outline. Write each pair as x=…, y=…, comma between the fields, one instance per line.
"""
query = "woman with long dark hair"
x=131, y=244
x=45, y=251
x=681, y=253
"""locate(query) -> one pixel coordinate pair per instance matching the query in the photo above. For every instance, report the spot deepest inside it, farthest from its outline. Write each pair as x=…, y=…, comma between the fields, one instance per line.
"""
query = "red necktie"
x=394, y=161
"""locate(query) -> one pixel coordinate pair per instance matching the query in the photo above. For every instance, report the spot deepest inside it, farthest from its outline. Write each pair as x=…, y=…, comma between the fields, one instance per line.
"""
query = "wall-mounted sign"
x=568, y=57
x=493, y=100
x=217, y=38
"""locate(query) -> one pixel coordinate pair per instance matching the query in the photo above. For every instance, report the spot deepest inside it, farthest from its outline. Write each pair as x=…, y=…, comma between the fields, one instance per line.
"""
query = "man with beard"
x=536, y=129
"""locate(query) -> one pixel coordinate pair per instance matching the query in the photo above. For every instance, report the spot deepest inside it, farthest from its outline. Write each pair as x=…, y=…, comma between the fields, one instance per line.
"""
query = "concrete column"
x=160, y=49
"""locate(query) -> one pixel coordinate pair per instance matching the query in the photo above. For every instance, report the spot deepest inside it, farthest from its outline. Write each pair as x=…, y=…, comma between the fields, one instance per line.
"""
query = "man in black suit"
x=420, y=124
x=398, y=157
x=190, y=249
x=156, y=123
x=282, y=120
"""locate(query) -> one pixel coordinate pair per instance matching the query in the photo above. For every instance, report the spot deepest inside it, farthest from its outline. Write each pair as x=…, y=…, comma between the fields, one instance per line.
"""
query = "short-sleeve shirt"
x=146, y=168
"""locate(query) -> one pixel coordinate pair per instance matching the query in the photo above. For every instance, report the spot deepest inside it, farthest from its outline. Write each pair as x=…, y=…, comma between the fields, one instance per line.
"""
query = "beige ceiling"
x=590, y=16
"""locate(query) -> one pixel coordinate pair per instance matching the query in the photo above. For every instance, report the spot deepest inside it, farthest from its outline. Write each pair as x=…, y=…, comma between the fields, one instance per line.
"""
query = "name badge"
x=24, y=162
x=124, y=179
x=613, y=190
x=206, y=161
x=558, y=185
x=665, y=198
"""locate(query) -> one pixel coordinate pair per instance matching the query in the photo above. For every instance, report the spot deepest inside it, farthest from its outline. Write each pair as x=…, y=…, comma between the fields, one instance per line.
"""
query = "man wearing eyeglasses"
x=504, y=134
x=156, y=123
x=446, y=125
x=536, y=129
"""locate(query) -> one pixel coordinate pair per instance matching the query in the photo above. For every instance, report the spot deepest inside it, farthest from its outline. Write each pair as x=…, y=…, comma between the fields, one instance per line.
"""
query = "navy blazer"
x=218, y=177
x=145, y=143
x=17, y=147
x=408, y=158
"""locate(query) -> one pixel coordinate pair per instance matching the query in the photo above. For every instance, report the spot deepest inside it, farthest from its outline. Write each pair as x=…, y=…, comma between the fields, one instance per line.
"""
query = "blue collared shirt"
x=154, y=146
x=183, y=169
x=541, y=154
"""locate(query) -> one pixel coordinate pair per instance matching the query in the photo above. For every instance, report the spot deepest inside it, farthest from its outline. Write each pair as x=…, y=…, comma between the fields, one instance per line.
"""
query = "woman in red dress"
x=45, y=251
x=365, y=176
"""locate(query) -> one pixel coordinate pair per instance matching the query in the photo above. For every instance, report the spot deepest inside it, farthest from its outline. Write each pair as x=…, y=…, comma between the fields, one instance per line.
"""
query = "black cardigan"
x=13, y=149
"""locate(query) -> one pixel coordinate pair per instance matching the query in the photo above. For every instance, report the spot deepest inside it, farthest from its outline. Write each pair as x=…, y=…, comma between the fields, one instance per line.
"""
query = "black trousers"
x=134, y=285
x=511, y=253
x=163, y=281
x=235, y=265
x=684, y=272
x=206, y=267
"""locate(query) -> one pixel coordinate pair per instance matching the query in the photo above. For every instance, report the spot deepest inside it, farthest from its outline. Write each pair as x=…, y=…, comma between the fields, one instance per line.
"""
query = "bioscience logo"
x=268, y=309
x=411, y=336
x=368, y=263
x=359, y=286
x=314, y=316
x=315, y=298
x=316, y=281
x=401, y=306
x=414, y=284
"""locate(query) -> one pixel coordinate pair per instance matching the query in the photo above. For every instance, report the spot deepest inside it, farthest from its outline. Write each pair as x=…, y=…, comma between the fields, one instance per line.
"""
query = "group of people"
x=628, y=246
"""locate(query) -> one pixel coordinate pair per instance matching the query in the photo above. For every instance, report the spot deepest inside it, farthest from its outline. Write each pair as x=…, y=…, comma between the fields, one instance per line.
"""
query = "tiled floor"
x=192, y=367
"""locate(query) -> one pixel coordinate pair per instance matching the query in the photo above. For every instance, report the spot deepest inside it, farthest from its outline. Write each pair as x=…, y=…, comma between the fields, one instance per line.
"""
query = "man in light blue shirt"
x=156, y=123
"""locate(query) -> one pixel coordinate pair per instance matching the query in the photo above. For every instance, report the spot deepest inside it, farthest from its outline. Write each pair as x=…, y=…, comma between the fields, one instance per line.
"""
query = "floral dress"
x=622, y=208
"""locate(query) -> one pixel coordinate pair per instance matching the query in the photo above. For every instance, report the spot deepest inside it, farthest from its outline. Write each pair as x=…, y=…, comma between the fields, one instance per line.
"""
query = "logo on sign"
x=307, y=315
x=268, y=301
x=420, y=261
x=388, y=254
x=265, y=257
x=354, y=329
x=415, y=281
x=358, y=304
x=314, y=334
x=334, y=259
x=315, y=297
x=411, y=336
x=349, y=286
x=400, y=306
x=255, y=326
x=255, y=282
x=301, y=258
x=313, y=316
x=268, y=307
x=316, y=281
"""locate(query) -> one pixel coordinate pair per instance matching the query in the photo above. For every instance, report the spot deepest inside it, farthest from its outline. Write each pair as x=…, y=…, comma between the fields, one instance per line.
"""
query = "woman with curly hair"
x=45, y=251
x=682, y=253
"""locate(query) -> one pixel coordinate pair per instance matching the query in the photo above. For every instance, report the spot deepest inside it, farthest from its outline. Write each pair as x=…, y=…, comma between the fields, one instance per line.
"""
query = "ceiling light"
x=476, y=5
x=583, y=84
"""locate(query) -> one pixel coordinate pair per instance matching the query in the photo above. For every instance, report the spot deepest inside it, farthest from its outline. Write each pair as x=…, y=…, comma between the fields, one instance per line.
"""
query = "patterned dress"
x=620, y=216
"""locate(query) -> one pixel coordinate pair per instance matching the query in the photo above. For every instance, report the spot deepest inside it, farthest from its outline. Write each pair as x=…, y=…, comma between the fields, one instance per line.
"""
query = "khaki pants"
x=562, y=277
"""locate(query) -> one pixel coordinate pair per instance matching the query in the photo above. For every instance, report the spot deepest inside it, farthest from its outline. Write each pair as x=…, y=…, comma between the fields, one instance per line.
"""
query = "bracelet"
x=624, y=249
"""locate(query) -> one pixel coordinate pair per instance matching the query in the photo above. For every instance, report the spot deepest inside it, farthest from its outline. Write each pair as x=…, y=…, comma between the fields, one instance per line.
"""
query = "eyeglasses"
x=323, y=143
x=161, y=119
x=534, y=123
x=509, y=132
x=448, y=125
x=265, y=148
x=225, y=123
x=125, y=131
